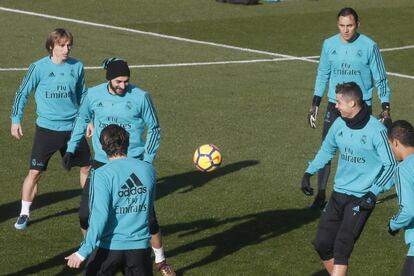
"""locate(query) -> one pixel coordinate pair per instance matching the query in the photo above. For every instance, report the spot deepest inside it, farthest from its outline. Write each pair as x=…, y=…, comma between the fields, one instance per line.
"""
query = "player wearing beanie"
x=119, y=102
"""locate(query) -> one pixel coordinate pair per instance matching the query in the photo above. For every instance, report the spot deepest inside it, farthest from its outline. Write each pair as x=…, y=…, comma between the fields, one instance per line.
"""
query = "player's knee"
x=34, y=175
x=324, y=249
x=343, y=249
x=341, y=260
x=85, y=170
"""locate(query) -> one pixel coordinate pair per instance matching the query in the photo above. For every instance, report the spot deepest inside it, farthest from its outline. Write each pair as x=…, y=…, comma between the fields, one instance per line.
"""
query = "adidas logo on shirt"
x=51, y=75
x=133, y=186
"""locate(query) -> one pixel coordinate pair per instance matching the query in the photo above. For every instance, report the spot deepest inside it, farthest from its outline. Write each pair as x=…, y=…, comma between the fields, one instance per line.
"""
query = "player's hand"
x=385, y=118
x=367, y=202
x=67, y=160
x=89, y=130
x=16, y=131
x=73, y=261
x=305, y=185
x=392, y=232
x=313, y=113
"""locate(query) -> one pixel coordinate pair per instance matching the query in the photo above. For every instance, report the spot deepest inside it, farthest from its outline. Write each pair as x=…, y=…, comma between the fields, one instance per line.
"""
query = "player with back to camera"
x=118, y=235
x=345, y=57
x=117, y=101
x=59, y=84
x=365, y=169
x=401, y=137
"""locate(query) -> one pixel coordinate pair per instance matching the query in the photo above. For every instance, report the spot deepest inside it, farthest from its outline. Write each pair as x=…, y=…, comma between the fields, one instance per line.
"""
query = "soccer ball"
x=207, y=158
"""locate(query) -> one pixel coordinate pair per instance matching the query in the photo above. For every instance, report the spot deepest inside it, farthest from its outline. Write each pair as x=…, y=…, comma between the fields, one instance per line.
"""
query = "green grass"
x=248, y=217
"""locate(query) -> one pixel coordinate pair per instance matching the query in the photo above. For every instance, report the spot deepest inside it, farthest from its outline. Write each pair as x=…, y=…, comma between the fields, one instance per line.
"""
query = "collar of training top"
x=360, y=120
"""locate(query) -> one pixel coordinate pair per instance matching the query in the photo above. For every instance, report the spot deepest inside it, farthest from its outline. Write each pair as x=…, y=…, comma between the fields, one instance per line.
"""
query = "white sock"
x=25, y=208
x=159, y=254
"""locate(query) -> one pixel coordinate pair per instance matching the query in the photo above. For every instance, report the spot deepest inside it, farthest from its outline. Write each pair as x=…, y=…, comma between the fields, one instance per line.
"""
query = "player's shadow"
x=321, y=273
x=57, y=260
x=247, y=230
x=195, y=179
x=11, y=209
x=55, y=215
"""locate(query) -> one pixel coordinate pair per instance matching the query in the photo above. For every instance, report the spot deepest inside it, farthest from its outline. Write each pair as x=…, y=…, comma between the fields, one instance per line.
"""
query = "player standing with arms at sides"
x=118, y=233
x=345, y=57
x=401, y=137
x=59, y=84
x=117, y=101
x=365, y=169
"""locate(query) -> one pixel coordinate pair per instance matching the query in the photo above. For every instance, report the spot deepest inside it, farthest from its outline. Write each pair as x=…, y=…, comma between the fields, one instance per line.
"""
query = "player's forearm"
x=384, y=92
x=18, y=106
x=321, y=84
x=321, y=159
x=28, y=84
x=152, y=143
x=78, y=132
x=384, y=182
x=401, y=219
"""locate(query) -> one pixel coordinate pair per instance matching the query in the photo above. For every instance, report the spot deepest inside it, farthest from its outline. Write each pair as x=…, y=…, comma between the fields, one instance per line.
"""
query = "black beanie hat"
x=116, y=68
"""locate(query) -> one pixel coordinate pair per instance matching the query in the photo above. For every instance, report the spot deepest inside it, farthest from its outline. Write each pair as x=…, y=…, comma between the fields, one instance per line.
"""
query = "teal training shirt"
x=404, y=185
x=365, y=161
x=59, y=89
x=121, y=197
x=359, y=61
x=132, y=111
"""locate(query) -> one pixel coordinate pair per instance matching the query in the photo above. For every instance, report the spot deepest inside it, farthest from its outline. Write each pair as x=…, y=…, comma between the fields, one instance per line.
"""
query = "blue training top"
x=59, y=91
x=132, y=111
x=359, y=61
x=122, y=193
x=404, y=185
x=366, y=162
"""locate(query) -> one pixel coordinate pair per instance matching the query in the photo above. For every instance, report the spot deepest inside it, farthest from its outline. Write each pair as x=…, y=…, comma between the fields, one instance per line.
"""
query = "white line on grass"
x=397, y=48
x=184, y=64
x=285, y=57
x=381, y=50
x=400, y=75
x=202, y=64
x=155, y=34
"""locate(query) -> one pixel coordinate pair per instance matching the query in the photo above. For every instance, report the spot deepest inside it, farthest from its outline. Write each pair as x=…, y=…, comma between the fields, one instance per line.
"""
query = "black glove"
x=305, y=185
x=67, y=160
x=385, y=116
x=367, y=202
x=392, y=232
x=313, y=113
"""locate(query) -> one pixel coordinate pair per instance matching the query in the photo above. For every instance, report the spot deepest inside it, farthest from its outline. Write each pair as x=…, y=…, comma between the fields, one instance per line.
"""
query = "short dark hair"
x=55, y=36
x=348, y=11
x=350, y=90
x=402, y=131
x=114, y=140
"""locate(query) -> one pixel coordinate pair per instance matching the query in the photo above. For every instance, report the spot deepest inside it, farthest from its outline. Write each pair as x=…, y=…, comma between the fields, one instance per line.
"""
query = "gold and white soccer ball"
x=207, y=158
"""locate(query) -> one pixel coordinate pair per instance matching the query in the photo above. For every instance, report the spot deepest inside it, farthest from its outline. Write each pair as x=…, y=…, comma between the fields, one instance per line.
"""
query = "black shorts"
x=408, y=268
x=154, y=227
x=340, y=226
x=47, y=142
x=133, y=262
